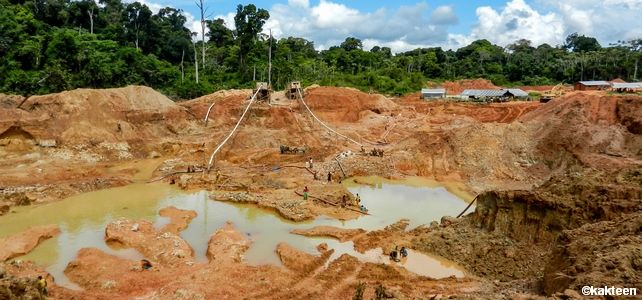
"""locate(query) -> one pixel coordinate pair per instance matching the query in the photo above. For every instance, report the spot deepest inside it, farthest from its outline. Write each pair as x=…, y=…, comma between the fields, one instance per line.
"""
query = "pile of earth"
x=53, y=146
x=456, y=87
x=599, y=131
x=562, y=232
x=113, y=119
x=334, y=105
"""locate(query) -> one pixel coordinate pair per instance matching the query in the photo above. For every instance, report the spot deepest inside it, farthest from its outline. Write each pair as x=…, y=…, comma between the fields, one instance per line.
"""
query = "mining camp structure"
x=293, y=90
x=263, y=91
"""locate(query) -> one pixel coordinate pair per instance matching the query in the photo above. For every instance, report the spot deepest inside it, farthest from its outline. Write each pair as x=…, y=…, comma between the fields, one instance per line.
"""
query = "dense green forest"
x=54, y=45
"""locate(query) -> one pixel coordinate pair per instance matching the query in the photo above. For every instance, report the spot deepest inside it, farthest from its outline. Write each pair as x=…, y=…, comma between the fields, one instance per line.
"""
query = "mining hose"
x=467, y=207
x=332, y=203
x=209, y=164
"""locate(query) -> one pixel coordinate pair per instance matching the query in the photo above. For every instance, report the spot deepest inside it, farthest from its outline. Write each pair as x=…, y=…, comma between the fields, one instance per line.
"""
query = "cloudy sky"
x=409, y=24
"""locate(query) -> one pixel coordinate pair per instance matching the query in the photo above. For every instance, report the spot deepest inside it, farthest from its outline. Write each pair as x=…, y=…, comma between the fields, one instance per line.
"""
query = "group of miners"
x=343, y=202
x=190, y=169
x=397, y=254
x=373, y=152
x=356, y=202
x=309, y=164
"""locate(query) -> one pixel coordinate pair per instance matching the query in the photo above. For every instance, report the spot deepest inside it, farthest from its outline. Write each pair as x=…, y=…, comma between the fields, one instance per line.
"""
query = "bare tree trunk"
x=182, y=67
x=582, y=66
x=635, y=72
x=270, y=62
x=203, y=10
x=91, y=20
x=195, y=61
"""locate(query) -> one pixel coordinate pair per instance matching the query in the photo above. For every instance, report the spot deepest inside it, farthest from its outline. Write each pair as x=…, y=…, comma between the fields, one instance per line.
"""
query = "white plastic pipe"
x=209, y=165
x=326, y=126
x=207, y=116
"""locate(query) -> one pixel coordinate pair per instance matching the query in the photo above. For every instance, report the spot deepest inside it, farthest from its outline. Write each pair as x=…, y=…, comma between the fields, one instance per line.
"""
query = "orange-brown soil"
x=456, y=87
x=340, y=234
x=559, y=184
x=25, y=241
x=103, y=276
x=179, y=219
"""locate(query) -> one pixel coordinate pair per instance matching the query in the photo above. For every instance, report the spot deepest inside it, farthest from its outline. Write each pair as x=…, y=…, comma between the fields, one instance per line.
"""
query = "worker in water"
x=145, y=264
x=42, y=286
x=329, y=177
x=305, y=193
x=403, y=252
x=363, y=209
x=358, y=199
x=310, y=161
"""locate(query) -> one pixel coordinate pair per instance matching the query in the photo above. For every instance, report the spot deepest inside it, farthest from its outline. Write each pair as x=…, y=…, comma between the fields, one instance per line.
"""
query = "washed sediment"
x=23, y=242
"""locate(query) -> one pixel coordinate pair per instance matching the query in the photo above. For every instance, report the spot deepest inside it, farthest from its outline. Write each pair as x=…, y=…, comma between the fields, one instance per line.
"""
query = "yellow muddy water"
x=83, y=218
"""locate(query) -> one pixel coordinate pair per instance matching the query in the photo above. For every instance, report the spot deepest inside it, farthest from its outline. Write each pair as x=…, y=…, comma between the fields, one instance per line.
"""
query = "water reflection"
x=83, y=218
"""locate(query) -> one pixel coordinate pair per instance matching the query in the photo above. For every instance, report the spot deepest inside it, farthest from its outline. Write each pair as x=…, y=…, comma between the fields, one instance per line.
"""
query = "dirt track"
x=550, y=176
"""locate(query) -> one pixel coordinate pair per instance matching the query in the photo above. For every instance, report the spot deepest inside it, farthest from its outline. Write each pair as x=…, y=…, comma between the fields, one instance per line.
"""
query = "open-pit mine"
x=307, y=194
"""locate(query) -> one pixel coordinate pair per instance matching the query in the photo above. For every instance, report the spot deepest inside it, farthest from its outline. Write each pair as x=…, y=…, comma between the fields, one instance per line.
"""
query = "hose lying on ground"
x=467, y=207
x=333, y=204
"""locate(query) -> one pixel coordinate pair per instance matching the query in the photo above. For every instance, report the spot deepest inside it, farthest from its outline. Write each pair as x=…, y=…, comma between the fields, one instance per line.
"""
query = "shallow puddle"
x=142, y=169
x=83, y=218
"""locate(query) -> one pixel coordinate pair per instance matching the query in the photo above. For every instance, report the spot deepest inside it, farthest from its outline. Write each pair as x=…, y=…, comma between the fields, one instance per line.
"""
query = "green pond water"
x=83, y=218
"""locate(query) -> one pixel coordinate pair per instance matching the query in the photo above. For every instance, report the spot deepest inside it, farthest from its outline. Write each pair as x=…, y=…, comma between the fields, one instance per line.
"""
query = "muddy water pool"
x=83, y=218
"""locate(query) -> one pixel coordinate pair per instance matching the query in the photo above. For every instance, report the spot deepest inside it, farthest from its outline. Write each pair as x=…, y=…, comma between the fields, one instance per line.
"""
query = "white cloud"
x=517, y=20
x=154, y=7
x=301, y=3
x=193, y=24
x=328, y=23
x=331, y=15
x=576, y=19
x=606, y=20
x=444, y=15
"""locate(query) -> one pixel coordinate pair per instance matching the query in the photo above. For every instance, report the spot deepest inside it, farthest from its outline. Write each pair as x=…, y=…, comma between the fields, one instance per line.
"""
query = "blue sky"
x=466, y=11
x=408, y=24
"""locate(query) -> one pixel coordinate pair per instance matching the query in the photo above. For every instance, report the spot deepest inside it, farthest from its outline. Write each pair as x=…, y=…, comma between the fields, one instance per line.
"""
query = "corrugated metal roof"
x=433, y=91
x=518, y=92
x=627, y=85
x=595, y=83
x=483, y=93
x=494, y=93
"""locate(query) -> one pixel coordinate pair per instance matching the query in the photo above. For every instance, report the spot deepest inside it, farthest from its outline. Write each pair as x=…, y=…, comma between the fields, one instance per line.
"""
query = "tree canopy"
x=53, y=45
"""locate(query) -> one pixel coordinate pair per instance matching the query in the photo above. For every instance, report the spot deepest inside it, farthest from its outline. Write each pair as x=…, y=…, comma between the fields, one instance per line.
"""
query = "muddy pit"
x=575, y=159
x=82, y=220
